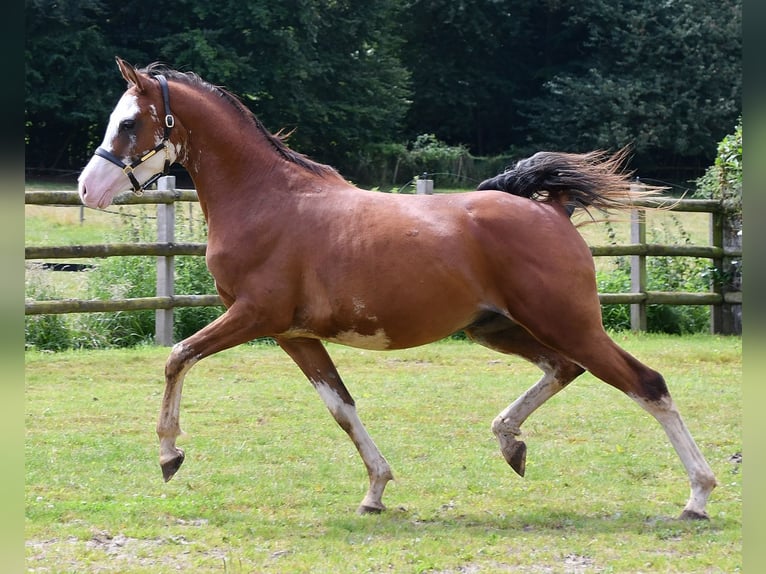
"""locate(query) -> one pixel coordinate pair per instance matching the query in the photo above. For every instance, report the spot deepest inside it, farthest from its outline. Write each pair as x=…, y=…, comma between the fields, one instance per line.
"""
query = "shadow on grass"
x=543, y=521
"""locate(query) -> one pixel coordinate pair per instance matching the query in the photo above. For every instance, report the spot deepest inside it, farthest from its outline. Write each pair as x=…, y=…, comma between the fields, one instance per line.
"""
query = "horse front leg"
x=312, y=358
x=232, y=328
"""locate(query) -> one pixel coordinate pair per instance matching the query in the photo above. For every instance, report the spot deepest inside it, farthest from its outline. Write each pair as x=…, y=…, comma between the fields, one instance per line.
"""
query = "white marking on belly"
x=376, y=342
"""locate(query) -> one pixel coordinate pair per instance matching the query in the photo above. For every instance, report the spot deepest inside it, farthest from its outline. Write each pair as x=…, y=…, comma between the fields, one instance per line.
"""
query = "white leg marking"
x=507, y=425
x=508, y=422
x=700, y=474
x=168, y=426
x=378, y=468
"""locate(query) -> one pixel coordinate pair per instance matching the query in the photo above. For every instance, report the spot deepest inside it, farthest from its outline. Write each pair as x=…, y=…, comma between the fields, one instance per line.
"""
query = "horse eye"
x=126, y=125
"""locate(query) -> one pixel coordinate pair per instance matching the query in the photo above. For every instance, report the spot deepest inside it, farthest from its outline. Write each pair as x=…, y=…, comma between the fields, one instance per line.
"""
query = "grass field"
x=270, y=483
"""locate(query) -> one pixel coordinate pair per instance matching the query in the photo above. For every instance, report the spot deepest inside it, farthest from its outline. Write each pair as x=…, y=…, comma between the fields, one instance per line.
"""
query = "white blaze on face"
x=126, y=109
x=101, y=180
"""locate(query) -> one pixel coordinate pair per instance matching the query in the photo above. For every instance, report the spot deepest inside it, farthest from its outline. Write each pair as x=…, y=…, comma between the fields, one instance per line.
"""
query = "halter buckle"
x=148, y=155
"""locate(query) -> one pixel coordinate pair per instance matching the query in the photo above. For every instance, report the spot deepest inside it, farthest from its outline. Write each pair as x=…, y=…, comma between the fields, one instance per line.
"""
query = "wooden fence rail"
x=725, y=318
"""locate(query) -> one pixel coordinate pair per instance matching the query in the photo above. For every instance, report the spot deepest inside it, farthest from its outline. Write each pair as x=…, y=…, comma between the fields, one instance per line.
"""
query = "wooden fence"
x=726, y=246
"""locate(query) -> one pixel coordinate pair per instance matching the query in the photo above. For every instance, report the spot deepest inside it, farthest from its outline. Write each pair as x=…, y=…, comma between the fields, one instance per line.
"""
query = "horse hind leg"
x=591, y=349
x=647, y=387
x=594, y=350
x=501, y=334
x=312, y=358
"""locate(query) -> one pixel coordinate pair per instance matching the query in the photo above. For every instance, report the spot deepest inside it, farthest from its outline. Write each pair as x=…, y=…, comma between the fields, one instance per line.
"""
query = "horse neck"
x=223, y=150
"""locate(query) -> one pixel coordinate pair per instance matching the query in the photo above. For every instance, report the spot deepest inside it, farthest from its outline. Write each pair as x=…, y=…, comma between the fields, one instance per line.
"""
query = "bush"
x=663, y=274
x=723, y=181
x=450, y=166
x=44, y=332
x=123, y=277
x=193, y=277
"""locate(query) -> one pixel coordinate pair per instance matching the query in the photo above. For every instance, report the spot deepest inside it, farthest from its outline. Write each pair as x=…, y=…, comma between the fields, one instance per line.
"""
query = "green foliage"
x=124, y=277
x=723, y=179
x=615, y=317
x=44, y=332
x=681, y=274
x=450, y=166
x=330, y=69
x=665, y=77
x=471, y=63
x=429, y=155
x=355, y=78
x=193, y=277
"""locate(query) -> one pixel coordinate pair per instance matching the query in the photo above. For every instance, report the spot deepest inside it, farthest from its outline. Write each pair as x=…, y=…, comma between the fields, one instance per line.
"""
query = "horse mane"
x=277, y=140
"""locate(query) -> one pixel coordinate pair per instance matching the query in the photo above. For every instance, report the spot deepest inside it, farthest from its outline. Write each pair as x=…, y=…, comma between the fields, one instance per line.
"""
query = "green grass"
x=271, y=483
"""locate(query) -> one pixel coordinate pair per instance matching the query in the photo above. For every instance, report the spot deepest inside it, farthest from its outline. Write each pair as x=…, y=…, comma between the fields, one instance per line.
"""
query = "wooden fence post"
x=166, y=221
x=726, y=232
x=638, y=269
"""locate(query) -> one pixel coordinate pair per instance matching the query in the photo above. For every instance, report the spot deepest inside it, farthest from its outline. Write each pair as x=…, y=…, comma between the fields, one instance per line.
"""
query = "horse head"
x=136, y=149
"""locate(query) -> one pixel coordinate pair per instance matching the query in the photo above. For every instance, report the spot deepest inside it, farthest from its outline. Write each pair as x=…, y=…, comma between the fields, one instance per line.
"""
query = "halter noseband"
x=138, y=188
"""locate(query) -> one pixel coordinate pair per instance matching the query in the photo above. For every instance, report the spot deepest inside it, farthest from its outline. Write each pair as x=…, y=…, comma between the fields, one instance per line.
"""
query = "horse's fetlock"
x=502, y=426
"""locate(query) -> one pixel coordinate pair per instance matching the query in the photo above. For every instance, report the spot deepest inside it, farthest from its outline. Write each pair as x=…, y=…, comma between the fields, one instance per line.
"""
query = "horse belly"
x=383, y=320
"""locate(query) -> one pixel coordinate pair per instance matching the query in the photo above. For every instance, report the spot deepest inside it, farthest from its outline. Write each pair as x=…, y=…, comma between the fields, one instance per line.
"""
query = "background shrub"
x=193, y=277
x=44, y=332
x=663, y=274
x=124, y=277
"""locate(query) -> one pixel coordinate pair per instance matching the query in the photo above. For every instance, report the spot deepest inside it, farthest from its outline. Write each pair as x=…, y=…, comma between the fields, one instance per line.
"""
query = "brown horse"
x=301, y=255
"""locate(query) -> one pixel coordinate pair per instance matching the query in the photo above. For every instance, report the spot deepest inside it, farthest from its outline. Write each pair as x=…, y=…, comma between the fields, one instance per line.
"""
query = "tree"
x=662, y=76
x=66, y=58
x=328, y=68
x=355, y=79
x=469, y=63
x=525, y=75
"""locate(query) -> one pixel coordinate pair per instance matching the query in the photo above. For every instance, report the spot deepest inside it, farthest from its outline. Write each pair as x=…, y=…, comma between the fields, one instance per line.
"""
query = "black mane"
x=276, y=141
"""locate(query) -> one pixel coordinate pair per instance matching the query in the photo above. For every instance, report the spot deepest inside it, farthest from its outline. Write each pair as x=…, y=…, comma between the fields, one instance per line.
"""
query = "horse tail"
x=593, y=179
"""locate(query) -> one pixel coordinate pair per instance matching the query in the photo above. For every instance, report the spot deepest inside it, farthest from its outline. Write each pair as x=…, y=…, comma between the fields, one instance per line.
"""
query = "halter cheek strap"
x=138, y=188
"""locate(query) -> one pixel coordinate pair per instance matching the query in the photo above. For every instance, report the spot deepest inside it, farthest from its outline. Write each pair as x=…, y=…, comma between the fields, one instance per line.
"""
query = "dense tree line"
x=358, y=80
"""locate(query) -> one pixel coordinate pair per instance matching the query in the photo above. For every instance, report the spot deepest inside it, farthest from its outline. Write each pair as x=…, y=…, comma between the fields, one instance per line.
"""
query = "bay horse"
x=301, y=255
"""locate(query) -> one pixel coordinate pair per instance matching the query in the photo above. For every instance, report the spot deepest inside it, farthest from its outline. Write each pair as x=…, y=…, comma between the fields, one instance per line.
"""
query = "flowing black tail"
x=586, y=180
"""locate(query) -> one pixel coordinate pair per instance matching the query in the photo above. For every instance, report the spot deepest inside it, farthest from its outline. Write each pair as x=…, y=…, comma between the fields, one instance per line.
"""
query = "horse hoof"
x=364, y=509
x=170, y=467
x=693, y=515
x=516, y=456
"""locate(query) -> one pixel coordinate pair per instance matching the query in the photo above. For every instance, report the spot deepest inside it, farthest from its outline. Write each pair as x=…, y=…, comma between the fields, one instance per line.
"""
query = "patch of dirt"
x=572, y=564
x=105, y=552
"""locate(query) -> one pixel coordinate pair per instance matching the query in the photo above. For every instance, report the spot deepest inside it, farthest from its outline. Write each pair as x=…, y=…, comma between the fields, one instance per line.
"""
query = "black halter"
x=138, y=188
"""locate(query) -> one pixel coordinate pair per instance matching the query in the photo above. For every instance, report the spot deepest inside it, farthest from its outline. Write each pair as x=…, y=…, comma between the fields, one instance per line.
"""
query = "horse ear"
x=130, y=74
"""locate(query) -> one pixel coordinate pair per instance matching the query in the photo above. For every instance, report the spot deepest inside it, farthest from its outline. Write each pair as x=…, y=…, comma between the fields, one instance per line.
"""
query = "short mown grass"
x=271, y=483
